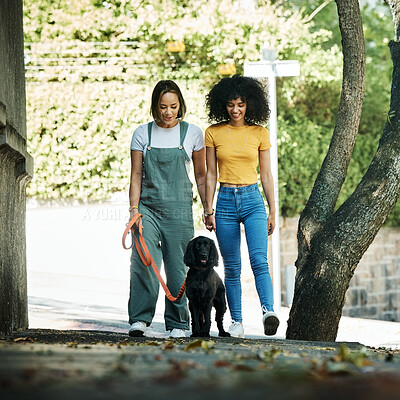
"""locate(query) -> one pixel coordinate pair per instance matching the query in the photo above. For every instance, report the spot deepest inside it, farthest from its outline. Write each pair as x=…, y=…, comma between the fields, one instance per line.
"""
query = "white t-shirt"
x=168, y=138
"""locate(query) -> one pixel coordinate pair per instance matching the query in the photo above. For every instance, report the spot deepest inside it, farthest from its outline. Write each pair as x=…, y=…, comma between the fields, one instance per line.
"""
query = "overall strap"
x=183, y=131
x=149, y=127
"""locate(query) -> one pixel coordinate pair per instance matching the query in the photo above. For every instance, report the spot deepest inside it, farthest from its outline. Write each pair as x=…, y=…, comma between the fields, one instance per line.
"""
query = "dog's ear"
x=188, y=258
x=213, y=260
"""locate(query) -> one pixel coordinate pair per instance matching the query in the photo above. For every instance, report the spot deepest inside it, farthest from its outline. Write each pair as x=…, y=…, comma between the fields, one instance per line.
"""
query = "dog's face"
x=201, y=249
x=201, y=253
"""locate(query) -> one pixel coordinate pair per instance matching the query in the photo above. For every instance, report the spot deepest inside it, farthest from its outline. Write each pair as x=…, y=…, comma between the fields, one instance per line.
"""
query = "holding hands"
x=209, y=220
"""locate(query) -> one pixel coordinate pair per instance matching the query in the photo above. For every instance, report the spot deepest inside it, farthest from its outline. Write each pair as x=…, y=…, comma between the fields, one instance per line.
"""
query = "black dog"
x=204, y=288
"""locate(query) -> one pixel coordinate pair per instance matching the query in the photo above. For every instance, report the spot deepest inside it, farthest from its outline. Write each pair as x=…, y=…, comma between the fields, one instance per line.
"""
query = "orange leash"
x=145, y=255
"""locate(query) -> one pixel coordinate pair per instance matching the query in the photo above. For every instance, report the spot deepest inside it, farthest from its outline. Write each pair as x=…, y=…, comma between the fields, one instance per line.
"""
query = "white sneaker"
x=271, y=322
x=138, y=329
x=236, y=329
x=177, y=333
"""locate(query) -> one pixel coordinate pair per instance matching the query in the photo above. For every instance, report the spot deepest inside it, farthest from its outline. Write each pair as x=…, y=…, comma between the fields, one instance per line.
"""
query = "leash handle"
x=129, y=229
x=145, y=255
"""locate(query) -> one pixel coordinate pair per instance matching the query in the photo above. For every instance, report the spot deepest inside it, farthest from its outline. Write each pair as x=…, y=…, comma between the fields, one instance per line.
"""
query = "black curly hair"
x=251, y=90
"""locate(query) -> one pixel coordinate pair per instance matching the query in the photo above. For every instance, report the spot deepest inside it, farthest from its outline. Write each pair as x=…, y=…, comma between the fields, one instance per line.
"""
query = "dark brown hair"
x=162, y=87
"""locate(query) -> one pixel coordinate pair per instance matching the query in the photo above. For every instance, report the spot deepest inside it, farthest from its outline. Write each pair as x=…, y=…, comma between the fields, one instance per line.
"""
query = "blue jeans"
x=243, y=205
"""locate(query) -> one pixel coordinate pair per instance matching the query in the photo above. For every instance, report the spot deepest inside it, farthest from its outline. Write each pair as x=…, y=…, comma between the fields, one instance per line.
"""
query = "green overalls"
x=166, y=206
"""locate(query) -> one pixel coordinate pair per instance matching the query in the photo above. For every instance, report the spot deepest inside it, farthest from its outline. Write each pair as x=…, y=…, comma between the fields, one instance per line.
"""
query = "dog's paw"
x=224, y=334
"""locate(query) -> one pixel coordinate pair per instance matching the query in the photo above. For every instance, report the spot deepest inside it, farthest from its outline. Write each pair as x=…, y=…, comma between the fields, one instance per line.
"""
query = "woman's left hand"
x=209, y=222
x=271, y=224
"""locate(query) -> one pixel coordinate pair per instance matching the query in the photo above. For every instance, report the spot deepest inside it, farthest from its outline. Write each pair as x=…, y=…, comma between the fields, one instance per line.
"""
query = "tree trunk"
x=331, y=244
x=324, y=267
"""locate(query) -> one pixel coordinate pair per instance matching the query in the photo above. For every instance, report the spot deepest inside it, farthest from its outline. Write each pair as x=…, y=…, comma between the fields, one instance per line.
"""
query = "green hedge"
x=80, y=126
x=80, y=136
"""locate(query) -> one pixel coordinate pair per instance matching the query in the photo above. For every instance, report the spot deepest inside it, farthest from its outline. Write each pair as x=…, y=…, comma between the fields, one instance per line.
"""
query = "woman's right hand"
x=132, y=213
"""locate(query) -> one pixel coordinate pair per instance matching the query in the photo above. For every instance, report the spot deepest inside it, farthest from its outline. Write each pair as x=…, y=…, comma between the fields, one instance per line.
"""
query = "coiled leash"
x=145, y=255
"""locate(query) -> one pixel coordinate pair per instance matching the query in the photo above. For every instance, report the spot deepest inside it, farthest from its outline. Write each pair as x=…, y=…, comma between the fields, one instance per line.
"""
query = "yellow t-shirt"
x=237, y=151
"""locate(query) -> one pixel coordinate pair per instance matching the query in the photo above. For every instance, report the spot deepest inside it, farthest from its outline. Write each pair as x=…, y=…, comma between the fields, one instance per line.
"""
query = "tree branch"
x=395, y=9
x=322, y=201
x=359, y=219
x=317, y=10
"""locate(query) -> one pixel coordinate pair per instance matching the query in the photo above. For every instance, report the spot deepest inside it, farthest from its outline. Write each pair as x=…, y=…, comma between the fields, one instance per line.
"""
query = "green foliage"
x=214, y=33
x=319, y=100
x=80, y=139
x=80, y=123
x=302, y=147
x=378, y=31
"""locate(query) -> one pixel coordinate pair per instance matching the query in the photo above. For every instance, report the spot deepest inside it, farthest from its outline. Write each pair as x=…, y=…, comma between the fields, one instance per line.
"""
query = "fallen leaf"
x=193, y=345
x=243, y=367
x=221, y=363
x=269, y=354
x=169, y=345
x=207, y=345
x=176, y=372
x=150, y=343
x=23, y=339
x=357, y=358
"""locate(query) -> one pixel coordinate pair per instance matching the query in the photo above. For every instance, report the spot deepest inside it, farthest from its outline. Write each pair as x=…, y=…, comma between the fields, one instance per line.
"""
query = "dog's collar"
x=199, y=268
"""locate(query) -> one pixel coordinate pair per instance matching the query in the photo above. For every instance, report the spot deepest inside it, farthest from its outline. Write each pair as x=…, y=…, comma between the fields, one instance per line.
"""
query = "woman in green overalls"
x=160, y=190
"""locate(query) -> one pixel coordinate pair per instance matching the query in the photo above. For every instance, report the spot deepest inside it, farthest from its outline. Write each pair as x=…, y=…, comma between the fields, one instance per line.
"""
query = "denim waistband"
x=241, y=189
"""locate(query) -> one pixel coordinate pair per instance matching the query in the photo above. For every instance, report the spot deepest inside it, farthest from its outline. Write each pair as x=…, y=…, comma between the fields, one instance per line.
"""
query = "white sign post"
x=271, y=70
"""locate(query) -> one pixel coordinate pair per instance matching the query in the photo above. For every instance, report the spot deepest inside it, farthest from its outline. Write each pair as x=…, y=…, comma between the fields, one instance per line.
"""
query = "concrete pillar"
x=16, y=168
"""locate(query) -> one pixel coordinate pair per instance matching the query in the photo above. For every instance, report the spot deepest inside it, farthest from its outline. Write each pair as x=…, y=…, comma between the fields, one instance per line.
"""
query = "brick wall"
x=374, y=290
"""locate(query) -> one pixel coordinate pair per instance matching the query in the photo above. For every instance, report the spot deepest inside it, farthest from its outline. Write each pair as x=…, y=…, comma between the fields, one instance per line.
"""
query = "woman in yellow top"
x=235, y=145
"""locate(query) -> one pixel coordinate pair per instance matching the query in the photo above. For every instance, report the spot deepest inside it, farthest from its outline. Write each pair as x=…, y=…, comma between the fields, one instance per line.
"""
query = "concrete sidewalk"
x=78, y=278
